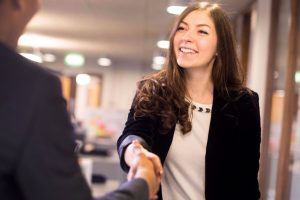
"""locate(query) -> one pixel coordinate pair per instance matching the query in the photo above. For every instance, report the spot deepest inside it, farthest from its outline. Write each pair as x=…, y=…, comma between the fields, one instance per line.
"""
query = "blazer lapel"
x=224, y=119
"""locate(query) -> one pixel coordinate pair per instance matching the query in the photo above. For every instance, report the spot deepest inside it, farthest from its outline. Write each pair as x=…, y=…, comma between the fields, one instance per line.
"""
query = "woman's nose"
x=187, y=36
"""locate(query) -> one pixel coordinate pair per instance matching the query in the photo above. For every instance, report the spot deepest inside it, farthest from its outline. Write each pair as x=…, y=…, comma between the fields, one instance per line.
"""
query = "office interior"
x=100, y=49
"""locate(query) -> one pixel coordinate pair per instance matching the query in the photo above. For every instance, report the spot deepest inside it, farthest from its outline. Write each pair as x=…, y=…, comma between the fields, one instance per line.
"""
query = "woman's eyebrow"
x=198, y=25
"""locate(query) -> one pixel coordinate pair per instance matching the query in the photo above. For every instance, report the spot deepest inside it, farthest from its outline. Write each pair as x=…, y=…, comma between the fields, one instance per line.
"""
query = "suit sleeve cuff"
x=127, y=141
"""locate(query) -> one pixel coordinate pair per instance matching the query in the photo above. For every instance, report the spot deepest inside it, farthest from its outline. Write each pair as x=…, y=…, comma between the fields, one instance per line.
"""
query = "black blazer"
x=233, y=146
x=37, y=159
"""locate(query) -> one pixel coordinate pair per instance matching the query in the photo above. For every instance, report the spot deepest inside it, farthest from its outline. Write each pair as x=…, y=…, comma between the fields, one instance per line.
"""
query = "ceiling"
x=124, y=30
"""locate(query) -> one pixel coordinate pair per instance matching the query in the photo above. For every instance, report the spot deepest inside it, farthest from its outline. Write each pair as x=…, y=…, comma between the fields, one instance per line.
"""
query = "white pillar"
x=259, y=50
x=81, y=101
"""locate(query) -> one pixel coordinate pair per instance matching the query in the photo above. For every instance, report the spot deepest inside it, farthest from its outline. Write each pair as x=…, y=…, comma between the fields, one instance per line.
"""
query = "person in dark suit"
x=37, y=155
x=197, y=115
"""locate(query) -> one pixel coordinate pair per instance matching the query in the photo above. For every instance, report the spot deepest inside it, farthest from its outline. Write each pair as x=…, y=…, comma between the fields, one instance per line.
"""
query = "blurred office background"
x=101, y=48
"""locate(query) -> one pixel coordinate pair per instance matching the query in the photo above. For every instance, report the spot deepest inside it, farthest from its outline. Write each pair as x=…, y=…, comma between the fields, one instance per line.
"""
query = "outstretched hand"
x=146, y=165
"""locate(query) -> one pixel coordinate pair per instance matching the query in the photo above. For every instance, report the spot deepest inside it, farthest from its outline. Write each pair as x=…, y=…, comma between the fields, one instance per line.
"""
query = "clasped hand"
x=144, y=164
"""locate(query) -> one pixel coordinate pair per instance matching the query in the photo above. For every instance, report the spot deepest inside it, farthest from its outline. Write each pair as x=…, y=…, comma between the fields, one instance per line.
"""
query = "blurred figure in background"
x=197, y=115
x=36, y=146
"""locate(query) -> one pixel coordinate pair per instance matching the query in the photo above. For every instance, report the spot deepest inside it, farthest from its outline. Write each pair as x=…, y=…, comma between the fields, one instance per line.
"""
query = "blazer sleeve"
x=136, y=189
x=47, y=167
x=249, y=145
x=141, y=128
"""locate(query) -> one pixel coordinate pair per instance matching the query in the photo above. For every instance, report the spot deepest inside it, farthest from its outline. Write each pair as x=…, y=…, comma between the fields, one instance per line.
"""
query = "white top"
x=184, y=167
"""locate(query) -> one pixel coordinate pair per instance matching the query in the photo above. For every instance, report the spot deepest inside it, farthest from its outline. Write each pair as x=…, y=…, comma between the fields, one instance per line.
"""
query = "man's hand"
x=145, y=165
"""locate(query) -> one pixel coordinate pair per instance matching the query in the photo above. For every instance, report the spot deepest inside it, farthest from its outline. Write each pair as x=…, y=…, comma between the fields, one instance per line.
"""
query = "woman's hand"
x=144, y=164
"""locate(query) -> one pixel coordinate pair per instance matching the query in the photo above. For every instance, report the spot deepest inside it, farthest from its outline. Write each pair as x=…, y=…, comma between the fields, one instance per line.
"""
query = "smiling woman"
x=206, y=155
x=195, y=42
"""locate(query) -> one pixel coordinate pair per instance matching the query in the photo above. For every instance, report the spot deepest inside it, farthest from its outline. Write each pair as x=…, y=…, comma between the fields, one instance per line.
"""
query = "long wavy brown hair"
x=163, y=94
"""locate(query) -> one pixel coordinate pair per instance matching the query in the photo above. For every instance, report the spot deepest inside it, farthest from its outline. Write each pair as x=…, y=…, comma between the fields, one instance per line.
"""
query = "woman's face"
x=195, y=41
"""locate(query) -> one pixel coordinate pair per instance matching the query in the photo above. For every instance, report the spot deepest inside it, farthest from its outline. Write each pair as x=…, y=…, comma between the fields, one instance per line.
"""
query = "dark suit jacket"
x=37, y=159
x=233, y=146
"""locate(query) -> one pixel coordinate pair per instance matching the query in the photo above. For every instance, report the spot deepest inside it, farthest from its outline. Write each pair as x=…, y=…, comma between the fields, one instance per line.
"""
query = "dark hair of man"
x=164, y=94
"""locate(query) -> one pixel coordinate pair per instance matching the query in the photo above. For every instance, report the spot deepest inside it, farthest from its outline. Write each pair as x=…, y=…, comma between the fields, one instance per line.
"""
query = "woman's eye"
x=180, y=28
x=203, y=32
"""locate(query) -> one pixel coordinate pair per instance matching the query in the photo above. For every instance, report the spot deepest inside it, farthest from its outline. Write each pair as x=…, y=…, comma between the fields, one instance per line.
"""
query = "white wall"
x=119, y=86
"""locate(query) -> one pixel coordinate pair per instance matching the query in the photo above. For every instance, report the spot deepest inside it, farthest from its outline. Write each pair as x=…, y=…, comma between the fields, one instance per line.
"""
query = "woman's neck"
x=200, y=86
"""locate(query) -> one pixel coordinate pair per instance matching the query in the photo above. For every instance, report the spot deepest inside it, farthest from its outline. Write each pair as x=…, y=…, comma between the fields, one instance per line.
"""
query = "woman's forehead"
x=198, y=17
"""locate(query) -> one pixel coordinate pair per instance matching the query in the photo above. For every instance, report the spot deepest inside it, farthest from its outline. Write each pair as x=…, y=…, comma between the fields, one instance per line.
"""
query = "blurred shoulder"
x=35, y=71
x=248, y=100
x=15, y=68
x=247, y=94
x=43, y=83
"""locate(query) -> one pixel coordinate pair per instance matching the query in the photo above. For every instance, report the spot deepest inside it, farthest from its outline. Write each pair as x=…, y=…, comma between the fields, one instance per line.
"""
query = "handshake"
x=144, y=164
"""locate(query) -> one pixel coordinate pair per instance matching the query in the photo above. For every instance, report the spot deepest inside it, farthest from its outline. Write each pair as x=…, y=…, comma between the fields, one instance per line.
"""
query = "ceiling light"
x=74, y=60
x=83, y=79
x=175, y=10
x=105, y=62
x=163, y=44
x=157, y=66
x=37, y=40
x=29, y=39
x=176, y=7
x=51, y=42
x=32, y=57
x=48, y=57
x=160, y=60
